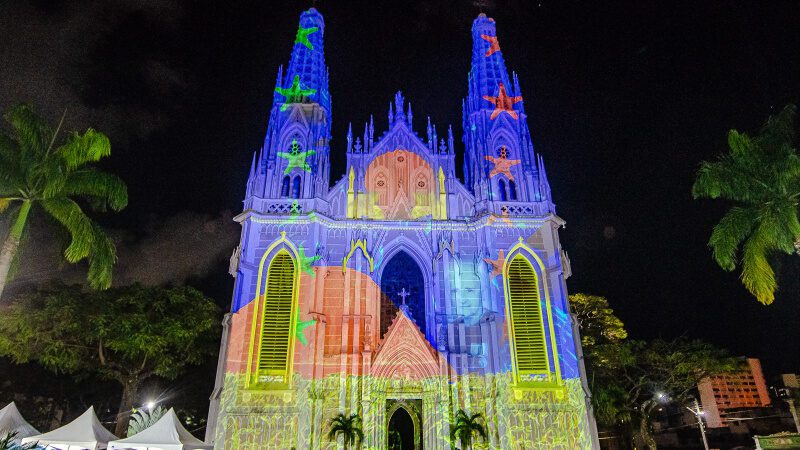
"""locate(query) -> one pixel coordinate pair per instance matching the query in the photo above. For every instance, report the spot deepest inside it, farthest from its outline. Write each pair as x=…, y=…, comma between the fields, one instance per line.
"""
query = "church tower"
x=500, y=166
x=399, y=293
x=294, y=161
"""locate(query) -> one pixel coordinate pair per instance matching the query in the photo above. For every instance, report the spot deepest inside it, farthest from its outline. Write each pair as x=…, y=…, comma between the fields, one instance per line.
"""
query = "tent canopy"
x=84, y=432
x=11, y=421
x=167, y=434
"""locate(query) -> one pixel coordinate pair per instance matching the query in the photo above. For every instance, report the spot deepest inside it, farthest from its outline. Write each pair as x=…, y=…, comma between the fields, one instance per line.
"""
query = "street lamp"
x=698, y=413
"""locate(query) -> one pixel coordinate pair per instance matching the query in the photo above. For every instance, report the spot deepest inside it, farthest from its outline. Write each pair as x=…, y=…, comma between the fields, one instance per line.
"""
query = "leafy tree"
x=348, y=427
x=36, y=171
x=628, y=376
x=126, y=334
x=602, y=338
x=466, y=426
x=597, y=321
x=637, y=375
x=761, y=177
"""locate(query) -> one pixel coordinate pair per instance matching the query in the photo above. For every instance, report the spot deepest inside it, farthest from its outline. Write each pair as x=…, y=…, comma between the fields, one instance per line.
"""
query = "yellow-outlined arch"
x=541, y=275
x=291, y=250
x=362, y=244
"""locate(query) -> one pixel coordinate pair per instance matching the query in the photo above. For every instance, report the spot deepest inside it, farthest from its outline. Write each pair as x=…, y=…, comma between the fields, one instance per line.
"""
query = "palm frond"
x=734, y=227
x=8, y=442
x=142, y=419
x=723, y=179
x=757, y=275
x=9, y=161
x=69, y=214
x=102, y=257
x=739, y=143
x=109, y=190
x=778, y=128
x=83, y=148
x=33, y=133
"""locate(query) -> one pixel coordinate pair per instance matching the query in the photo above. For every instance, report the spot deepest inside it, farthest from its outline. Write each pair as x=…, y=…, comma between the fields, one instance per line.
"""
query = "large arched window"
x=296, y=187
x=501, y=187
x=275, y=343
x=528, y=342
x=285, y=187
x=512, y=190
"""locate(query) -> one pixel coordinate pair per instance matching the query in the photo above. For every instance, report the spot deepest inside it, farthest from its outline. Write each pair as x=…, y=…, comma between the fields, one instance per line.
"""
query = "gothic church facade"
x=401, y=293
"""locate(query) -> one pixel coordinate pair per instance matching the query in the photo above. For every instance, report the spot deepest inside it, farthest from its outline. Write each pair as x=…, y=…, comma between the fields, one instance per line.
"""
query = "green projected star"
x=305, y=262
x=300, y=326
x=294, y=92
x=296, y=158
x=302, y=36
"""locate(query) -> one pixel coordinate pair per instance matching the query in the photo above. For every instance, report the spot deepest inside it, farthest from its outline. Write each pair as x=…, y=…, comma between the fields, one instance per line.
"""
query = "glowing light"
x=300, y=326
x=295, y=92
x=150, y=404
x=494, y=45
x=496, y=264
x=296, y=158
x=502, y=164
x=503, y=103
x=307, y=261
x=302, y=36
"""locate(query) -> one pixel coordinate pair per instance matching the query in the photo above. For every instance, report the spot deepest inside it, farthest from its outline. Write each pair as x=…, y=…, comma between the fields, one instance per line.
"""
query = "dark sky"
x=624, y=100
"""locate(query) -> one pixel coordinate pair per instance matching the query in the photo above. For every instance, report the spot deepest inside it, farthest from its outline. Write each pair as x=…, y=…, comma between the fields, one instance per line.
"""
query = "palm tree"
x=348, y=427
x=36, y=171
x=761, y=176
x=466, y=426
x=10, y=442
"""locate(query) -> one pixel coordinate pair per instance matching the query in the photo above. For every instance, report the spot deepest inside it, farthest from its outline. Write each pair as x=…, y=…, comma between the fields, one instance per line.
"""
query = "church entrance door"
x=403, y=432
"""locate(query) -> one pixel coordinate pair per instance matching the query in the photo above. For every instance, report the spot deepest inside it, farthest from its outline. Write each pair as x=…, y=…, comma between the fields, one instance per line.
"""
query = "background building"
x=724, y=394
x=399, y=293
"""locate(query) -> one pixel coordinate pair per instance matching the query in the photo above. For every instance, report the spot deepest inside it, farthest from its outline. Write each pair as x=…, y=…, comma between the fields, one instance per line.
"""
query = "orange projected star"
x=494, y=44
x=502, y=164
x=503, y=103
x=497, y=264
x=503, y=217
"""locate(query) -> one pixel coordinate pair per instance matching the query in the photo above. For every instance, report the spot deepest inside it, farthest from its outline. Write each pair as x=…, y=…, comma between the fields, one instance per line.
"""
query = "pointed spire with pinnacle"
x=488, y=70
x=306, y=78
x=349, y=137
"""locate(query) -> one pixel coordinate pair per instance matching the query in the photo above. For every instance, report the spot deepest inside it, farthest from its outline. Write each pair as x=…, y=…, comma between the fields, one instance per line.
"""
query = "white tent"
x=11, y=421
x=85, y=432
x=166, y=434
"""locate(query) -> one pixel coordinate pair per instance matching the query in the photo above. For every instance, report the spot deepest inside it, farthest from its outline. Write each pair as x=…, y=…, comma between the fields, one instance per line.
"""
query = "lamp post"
x=699, y=415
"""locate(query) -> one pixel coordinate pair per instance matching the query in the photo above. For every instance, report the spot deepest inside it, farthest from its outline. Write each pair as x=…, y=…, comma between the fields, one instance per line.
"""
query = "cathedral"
x=400, y=293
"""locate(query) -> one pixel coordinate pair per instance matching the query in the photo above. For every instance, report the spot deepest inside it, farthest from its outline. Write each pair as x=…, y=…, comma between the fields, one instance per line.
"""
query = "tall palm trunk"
x=11, y=244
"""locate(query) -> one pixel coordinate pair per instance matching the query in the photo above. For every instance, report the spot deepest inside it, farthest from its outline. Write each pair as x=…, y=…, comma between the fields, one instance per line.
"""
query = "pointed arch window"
x=512, y=190
x=296, y=187
x=527, y=324
x=275, y=343
x=501, y=188
x=285, y=187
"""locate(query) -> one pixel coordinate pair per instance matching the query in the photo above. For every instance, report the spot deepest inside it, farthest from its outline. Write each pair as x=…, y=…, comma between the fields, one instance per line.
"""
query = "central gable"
x=400, y=186
x=405, y=353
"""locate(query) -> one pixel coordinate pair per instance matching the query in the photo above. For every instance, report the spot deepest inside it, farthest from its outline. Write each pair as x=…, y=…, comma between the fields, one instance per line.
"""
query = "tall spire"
x=488, y=69
x=306, y=78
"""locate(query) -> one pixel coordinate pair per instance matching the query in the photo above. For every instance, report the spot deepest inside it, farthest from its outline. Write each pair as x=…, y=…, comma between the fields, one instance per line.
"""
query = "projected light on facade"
x=400, y=293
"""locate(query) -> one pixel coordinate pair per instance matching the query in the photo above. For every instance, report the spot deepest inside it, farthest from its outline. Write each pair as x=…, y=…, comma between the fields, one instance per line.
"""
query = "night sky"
x=624, y=100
